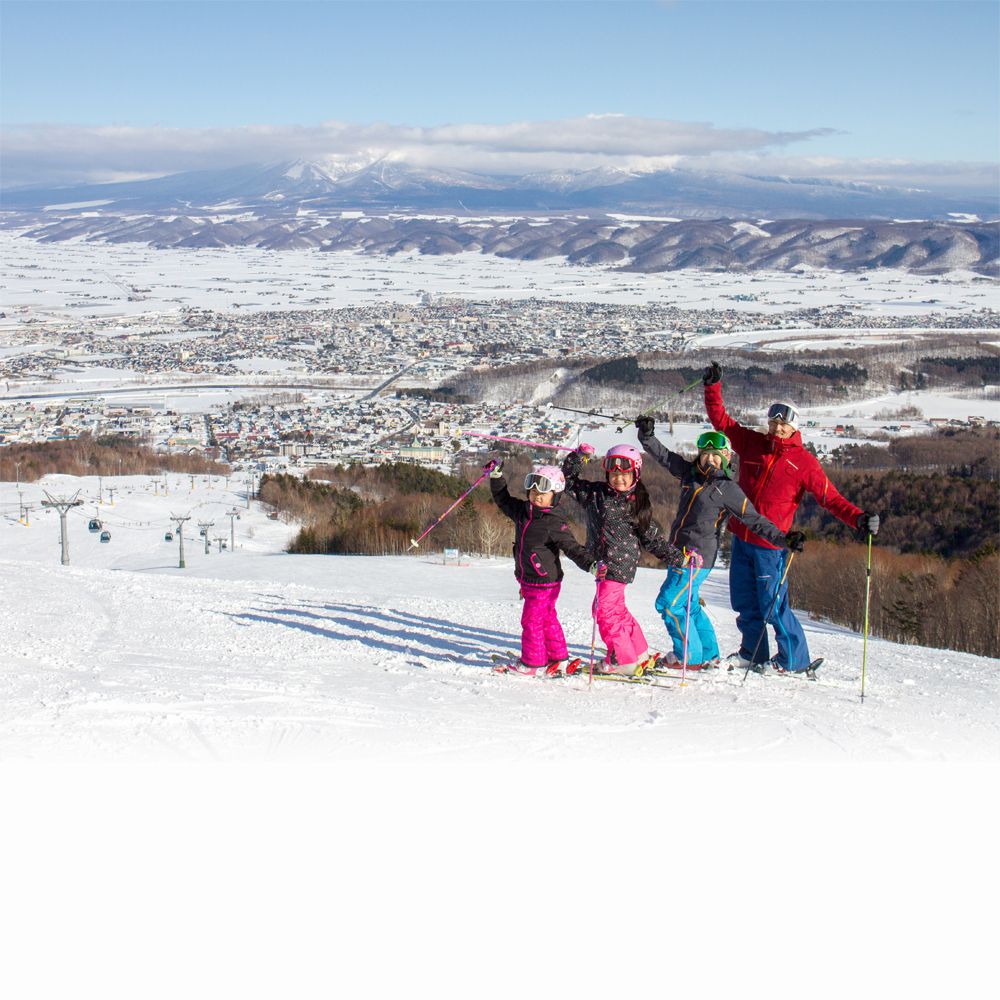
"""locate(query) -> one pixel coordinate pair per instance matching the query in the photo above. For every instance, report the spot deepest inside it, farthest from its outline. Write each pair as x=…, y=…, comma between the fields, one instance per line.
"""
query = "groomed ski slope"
x=257, y=655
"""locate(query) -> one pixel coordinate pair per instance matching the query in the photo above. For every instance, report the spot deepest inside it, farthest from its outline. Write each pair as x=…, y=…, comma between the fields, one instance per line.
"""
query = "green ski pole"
x=656, y=406
x=868, y=591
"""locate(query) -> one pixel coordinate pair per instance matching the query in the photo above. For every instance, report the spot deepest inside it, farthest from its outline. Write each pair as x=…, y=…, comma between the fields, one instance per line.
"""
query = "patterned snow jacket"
x=612, y=534
x=539, y=536
x=706, y=497
x=775, y=474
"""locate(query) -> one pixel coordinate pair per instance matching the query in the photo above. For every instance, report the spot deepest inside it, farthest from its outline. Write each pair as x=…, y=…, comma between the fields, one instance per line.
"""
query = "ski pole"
x=656, y=406
x=868, y=591
x=415, y=542
x=770, y=611
x=586, y=413
x=694, y=559
x=593, y=635
x=527, y=444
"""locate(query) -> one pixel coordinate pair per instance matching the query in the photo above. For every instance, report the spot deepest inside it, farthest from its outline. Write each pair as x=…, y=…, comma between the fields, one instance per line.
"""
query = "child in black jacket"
x=540, y=534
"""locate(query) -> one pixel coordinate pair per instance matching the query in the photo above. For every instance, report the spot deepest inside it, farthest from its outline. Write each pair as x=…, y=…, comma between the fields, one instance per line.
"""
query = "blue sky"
x=887, y=81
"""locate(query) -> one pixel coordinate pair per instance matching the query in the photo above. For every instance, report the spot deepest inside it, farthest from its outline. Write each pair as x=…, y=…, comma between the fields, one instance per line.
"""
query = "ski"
x=809, y=673
x=509, y=664
x=644, y=679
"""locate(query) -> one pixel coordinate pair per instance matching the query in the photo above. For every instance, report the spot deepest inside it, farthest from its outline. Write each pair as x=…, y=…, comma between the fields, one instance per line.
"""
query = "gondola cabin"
x=105, y=536
x=94, y=525
x=168, y=537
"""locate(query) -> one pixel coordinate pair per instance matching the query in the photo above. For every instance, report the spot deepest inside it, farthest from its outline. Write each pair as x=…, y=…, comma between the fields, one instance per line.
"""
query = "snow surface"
x=257, y=655
x=69, y=281
x=279, y=776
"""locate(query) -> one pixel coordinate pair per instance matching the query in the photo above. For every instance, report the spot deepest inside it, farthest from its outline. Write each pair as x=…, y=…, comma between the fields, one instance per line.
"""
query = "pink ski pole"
x=601, y=573
x=415, y=542
x=695, y=562
x=528, y=444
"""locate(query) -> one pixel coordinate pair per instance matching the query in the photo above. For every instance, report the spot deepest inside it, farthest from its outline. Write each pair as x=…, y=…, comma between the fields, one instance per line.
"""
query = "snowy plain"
x=62, y=283
x=257, y=655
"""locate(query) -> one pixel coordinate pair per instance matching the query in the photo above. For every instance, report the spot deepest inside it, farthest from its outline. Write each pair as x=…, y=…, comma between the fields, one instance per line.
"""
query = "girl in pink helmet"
x=619, y=524
x=540, y=534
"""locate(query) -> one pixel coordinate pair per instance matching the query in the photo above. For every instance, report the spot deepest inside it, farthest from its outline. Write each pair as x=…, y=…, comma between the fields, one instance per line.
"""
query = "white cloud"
x=64, y=154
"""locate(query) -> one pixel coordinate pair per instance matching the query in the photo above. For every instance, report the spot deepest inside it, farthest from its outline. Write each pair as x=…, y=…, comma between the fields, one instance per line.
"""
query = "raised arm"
x=502, y=498
x=716, y=409
x=579, y=489
x=675, y=464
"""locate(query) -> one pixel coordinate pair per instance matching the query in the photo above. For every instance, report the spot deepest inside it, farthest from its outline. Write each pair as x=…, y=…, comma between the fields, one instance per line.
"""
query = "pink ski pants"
x=542, y=638
x=619, y=630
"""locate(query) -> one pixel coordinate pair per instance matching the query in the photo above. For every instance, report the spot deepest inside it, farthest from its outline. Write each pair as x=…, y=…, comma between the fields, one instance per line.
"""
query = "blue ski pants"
x=671, y=604
x=754, y=575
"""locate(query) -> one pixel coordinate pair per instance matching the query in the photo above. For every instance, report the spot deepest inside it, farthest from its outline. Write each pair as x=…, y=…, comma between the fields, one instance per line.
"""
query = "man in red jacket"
x=775, y=472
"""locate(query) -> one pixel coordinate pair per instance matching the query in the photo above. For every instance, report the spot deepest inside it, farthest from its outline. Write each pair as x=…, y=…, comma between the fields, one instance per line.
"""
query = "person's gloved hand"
x=645, y=425
x=694, y=558
x=795, y=540
x=494, y=467
x=712, y=374
x=599, y=569
x=867, y=525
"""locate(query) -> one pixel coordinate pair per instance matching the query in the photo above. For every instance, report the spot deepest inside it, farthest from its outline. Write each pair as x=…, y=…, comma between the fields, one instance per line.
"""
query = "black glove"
x=571, y=464
x=795, y=540
x=645, y=425
x=867, y=525
x=712, y=374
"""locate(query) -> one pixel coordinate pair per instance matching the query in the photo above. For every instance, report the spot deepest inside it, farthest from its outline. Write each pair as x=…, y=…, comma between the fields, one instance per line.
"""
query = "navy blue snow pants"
x=754, y=574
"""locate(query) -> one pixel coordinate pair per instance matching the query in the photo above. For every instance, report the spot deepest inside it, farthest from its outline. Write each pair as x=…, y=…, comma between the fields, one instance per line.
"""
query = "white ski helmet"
x=545, y=479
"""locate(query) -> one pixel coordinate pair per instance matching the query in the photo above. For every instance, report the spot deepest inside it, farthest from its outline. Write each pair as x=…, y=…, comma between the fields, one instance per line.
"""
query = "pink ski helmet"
x=623, y=456
x=545, y=479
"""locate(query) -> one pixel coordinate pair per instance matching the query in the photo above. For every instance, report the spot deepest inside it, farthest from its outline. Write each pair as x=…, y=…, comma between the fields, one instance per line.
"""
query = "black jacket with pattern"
x=612, y=533
x=706, y=499
x=540, y=534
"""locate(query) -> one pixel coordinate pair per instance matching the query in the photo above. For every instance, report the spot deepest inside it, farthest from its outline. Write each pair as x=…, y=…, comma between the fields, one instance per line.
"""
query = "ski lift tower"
x=204, y=526
x=63, y=506
x=179, y=522
x=234, y=516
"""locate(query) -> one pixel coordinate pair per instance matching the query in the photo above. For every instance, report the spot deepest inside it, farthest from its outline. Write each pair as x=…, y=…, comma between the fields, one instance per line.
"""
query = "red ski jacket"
x=775, y=474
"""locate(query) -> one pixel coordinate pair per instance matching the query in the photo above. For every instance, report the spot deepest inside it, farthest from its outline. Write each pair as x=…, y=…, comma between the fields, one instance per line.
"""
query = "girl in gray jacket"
x=708, y=496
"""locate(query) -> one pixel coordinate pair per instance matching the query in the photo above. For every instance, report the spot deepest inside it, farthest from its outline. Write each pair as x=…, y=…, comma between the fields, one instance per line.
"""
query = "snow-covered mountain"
x=251, y=654
x=391, y=184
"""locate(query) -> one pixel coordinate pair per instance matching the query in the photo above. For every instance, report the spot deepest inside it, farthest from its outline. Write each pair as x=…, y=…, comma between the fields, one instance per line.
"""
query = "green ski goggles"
x=713, y=441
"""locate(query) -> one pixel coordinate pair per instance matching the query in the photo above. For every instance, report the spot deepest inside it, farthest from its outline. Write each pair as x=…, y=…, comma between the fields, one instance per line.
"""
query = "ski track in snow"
x=260, y=656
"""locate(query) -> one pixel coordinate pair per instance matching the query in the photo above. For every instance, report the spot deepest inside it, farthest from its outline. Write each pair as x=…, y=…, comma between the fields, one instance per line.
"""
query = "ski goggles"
x=713, y=441
x=536, y=481
x=619, y=462
x=783, y=412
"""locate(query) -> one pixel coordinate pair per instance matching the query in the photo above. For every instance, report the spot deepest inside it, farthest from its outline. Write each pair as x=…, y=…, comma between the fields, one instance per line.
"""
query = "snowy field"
x=61, y=283
x=283, y=776
x=256, y=655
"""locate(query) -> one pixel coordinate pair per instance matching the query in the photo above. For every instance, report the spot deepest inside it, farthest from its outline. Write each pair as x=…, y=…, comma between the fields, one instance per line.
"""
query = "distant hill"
x=633, y=245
